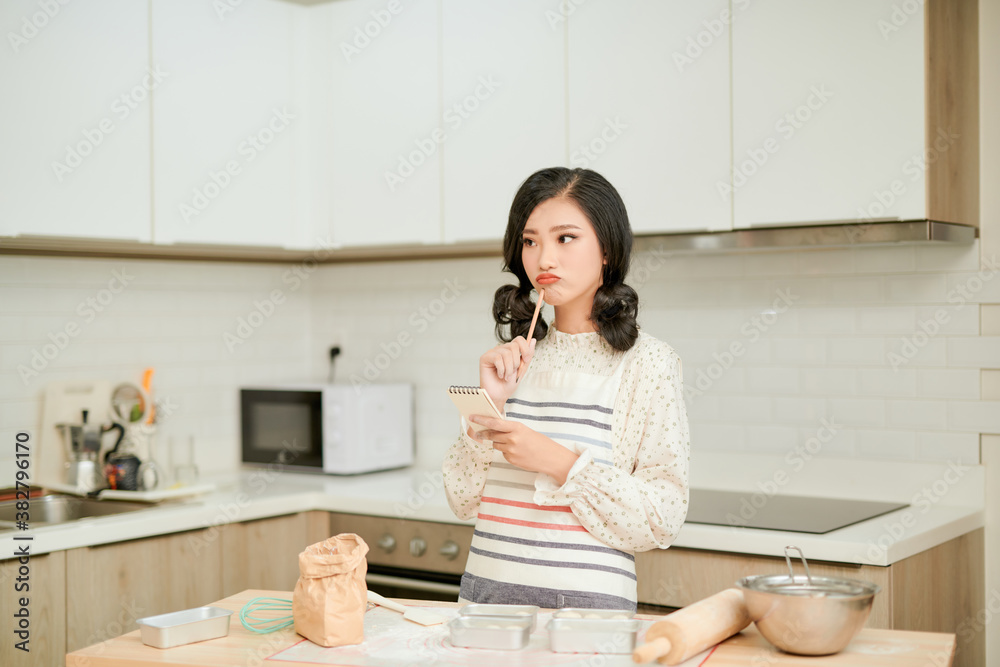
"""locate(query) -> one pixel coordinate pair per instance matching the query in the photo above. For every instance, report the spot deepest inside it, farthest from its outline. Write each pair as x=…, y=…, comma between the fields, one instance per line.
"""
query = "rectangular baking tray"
x=490, y=632
x=184, y=627
x=587, y=635
x=502, y=611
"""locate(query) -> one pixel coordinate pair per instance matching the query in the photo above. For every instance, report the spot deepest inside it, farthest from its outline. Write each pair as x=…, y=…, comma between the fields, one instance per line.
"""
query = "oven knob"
x=387, y=543
x=418, y=546
x=450, y=550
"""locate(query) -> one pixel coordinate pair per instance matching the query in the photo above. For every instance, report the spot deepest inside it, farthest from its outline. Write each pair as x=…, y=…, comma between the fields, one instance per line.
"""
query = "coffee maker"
x=83, y=445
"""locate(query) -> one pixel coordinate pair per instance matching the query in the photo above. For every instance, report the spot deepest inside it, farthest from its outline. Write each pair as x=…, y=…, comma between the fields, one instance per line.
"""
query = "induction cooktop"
x=799, y=514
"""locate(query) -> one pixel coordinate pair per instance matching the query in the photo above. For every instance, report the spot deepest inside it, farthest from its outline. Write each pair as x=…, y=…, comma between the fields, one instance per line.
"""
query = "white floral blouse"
x=638, y=503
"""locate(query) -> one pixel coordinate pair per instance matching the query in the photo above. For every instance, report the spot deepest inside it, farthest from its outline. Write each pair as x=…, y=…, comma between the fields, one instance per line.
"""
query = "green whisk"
x=262, y=625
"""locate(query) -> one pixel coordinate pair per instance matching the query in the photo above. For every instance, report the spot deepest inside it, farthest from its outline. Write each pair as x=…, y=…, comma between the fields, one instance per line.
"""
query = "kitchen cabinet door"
x=380, y=91
x=504, y=73
x=649, y=107
x=264, y=554
x=45, y=588
x=74, y=124
x=828, y=113
x=225, y=123
x=109, y=587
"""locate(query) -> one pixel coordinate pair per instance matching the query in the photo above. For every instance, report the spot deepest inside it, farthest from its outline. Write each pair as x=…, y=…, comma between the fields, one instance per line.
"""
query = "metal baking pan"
x=491, y=632
x=603, y=614
x=589, y=635
x=184, y=627
x=502, y=611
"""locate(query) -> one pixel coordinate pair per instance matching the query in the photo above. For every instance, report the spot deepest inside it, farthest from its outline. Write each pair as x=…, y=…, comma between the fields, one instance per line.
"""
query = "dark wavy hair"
x=615, y=303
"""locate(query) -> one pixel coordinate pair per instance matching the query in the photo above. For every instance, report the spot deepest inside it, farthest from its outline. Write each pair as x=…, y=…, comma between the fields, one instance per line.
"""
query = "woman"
x=590, y=463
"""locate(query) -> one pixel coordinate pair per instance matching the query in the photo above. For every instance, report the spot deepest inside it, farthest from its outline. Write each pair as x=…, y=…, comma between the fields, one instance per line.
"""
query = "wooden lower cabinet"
x=264, y=554
x=939, y=590
x=109, y=586
x=46, y=594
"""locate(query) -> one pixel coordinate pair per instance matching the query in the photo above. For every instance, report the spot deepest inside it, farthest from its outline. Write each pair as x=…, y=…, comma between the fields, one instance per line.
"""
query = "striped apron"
x=524, y=553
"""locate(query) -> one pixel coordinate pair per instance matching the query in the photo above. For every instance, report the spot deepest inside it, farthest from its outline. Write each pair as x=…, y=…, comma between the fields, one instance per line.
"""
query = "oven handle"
x=415, y=584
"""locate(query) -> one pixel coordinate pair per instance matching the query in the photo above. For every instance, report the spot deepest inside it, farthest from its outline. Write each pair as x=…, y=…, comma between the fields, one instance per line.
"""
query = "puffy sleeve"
x=639, y=503
x=464, y=471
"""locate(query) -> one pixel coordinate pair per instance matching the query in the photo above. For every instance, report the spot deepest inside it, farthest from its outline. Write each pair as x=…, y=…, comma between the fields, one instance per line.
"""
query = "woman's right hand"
x=498, y=368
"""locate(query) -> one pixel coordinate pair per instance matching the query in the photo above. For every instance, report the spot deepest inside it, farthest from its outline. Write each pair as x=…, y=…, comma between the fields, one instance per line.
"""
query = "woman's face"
x=561, y=253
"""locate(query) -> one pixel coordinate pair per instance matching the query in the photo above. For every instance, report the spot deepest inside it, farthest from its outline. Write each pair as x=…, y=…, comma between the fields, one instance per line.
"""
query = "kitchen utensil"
x=184, y=627
x=185, y=470
x=82, y=443
x=129, y=403
x=122, y=472
x=691, y=630
x=490, y=632
x=807, y=615
x=147, y=386
x=590, y=614
x=250, y=615
x=592, y=635
x=502, y=611
x=531, y=331
x=421, y=616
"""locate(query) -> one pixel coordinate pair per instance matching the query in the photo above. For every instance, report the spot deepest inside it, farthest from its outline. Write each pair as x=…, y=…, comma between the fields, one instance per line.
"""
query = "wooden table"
x=870, y=648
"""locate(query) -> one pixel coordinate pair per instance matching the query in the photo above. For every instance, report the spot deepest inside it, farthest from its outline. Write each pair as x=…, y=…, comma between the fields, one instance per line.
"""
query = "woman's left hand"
x=526, y=448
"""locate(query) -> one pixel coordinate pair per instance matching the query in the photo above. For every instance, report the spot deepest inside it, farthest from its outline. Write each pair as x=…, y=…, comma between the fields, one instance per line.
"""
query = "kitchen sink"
x=52, y=509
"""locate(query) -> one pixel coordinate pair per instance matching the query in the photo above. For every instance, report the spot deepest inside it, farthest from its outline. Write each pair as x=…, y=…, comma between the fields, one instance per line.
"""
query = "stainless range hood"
x=839, y=235
x=829, y=235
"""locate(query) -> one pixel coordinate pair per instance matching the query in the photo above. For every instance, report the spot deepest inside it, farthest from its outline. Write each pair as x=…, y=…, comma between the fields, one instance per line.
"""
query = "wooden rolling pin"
x=689, y=631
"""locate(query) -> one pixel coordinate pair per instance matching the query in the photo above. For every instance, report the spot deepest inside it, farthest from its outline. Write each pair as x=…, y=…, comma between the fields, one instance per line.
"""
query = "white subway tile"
x=915, y=351
x=803, y=291
x=854, y=412
x=802, y=351
x=886, y=382
x=886, y=444
x=886, y=319
x=829, y=381
x=948, y=383
x=952, y=319
x=856, y=350
x=976, y=416
x=827, y=321
x=916, y=288
x=771, y=263
x=770, y=439
x=978, y=287
x=826, y=261
x=772, y=380
x=799, y=410
x=717, y=437
x=943, y=446
x=990, y=319
x=884, y=259
x=990, y=385
x=916, y=414
x=944, y=258
x=978, y=352
x=857, y=290
x=828, y=438
x=749, y=409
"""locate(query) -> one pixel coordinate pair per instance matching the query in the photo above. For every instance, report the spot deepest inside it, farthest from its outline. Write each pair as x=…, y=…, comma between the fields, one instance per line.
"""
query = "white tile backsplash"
x=855, y=346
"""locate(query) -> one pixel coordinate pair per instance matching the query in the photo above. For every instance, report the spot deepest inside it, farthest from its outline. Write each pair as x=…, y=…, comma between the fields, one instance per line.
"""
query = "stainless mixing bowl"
x=808, y=615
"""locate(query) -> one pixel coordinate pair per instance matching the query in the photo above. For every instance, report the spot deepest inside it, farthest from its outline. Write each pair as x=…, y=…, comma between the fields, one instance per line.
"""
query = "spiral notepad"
x=473, y=401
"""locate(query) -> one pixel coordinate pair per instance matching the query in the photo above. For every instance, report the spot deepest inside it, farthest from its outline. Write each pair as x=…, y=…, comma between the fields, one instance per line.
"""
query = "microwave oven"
x=339, y=429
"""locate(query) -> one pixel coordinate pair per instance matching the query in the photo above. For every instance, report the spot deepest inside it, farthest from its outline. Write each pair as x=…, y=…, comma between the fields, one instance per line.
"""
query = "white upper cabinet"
x=828, y=112
x=225, y=123
x=74, y=121
x=382, y=178
x=504, y=108
x=649, y=107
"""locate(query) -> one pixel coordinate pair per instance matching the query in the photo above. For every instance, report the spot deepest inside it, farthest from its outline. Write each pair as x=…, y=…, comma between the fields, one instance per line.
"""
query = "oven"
x=419, y=560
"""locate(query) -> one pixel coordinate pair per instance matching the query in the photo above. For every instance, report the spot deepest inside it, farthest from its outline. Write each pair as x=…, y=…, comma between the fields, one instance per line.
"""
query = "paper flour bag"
x=330, y=597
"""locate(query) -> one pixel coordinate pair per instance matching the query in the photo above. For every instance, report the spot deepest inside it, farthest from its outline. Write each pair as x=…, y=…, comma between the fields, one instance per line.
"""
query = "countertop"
x=870, y=648
x=946, y=502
